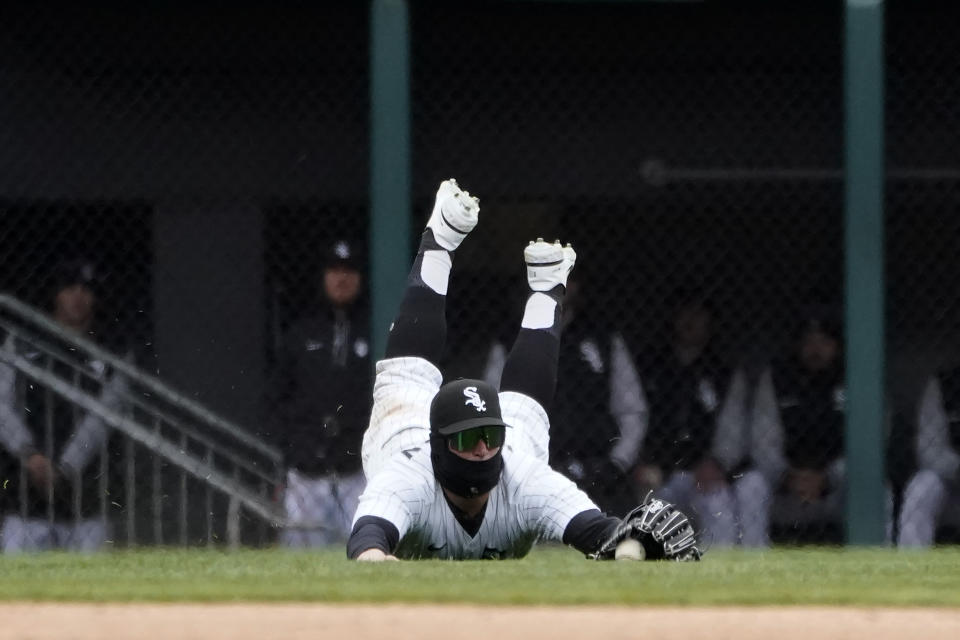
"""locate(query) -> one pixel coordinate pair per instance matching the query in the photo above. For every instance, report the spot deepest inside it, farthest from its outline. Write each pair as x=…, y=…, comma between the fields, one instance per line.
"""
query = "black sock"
x=531, y=366
x=420, y=326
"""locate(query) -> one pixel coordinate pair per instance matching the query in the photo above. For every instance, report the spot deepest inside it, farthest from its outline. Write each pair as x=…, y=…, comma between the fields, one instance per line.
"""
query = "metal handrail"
x=139, y=377
x=197, y=467
x=201, y=439
x=204, y=442
x=137, y=401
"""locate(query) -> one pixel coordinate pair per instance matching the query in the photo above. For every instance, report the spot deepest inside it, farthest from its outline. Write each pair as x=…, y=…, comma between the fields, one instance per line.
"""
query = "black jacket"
x=319, y=394
x=581, y=425
x=812, y=408
x=684, y=402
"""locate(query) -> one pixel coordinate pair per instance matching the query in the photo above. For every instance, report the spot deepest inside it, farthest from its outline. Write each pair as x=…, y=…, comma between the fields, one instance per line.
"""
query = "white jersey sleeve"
x=400, y=490
x=546, y=500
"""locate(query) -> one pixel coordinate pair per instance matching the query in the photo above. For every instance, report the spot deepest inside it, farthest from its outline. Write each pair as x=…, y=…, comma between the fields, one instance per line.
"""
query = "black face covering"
x=465, y=478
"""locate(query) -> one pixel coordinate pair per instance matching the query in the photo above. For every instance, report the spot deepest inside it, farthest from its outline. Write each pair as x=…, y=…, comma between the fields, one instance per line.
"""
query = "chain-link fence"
x=213, y=165
x=922, y=234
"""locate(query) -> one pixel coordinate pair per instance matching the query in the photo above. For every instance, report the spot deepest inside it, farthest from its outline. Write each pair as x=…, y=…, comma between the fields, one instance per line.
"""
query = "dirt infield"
x=44, y=621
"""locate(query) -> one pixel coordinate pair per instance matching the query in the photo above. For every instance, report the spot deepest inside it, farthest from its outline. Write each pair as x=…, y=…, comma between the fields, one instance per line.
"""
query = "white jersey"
x=531, y=502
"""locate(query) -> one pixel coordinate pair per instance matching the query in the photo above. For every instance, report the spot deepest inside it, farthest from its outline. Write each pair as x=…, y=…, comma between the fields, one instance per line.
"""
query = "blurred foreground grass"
x=549, y=575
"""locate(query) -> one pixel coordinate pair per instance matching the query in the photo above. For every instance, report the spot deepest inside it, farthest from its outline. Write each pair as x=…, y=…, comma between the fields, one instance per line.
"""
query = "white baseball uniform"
x=531, y=502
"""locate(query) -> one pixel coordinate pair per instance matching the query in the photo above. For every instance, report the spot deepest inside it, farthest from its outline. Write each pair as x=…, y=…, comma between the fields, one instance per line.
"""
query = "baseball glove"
x=663, y=530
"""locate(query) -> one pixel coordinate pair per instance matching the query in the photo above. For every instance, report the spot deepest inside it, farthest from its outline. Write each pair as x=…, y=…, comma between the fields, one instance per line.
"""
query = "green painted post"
x=863, y=99
x=389, y=163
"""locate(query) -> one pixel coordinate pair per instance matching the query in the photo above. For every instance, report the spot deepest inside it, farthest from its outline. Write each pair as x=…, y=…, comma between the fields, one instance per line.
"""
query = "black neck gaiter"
x=465, y=478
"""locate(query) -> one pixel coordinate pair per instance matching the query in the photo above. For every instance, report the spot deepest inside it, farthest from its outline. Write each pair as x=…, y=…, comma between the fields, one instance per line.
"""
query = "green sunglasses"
x=492, y=435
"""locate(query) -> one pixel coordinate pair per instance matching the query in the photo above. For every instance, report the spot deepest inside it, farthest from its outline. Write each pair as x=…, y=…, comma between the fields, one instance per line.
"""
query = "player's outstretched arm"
x=373, y=539
x=588, y=530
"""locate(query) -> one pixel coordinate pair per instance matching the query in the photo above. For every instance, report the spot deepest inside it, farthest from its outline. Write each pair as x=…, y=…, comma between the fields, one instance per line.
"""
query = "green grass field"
x=548, y=576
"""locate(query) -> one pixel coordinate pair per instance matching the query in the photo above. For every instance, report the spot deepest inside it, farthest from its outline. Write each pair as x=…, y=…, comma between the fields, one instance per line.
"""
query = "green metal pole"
x=863, y=86
x=389, y=163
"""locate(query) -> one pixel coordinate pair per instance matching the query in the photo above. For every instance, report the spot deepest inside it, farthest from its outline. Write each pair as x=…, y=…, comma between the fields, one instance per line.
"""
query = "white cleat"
x=548, y=264
x=455, y=214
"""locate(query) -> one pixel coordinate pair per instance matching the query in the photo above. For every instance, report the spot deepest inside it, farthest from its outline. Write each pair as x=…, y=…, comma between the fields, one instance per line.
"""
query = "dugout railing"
x=171, y=472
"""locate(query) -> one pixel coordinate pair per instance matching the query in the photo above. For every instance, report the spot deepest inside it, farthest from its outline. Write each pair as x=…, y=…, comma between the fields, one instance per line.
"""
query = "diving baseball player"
x=460, y=471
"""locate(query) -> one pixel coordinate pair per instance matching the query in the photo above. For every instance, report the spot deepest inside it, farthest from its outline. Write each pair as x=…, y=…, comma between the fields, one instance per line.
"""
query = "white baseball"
x=629, y=549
